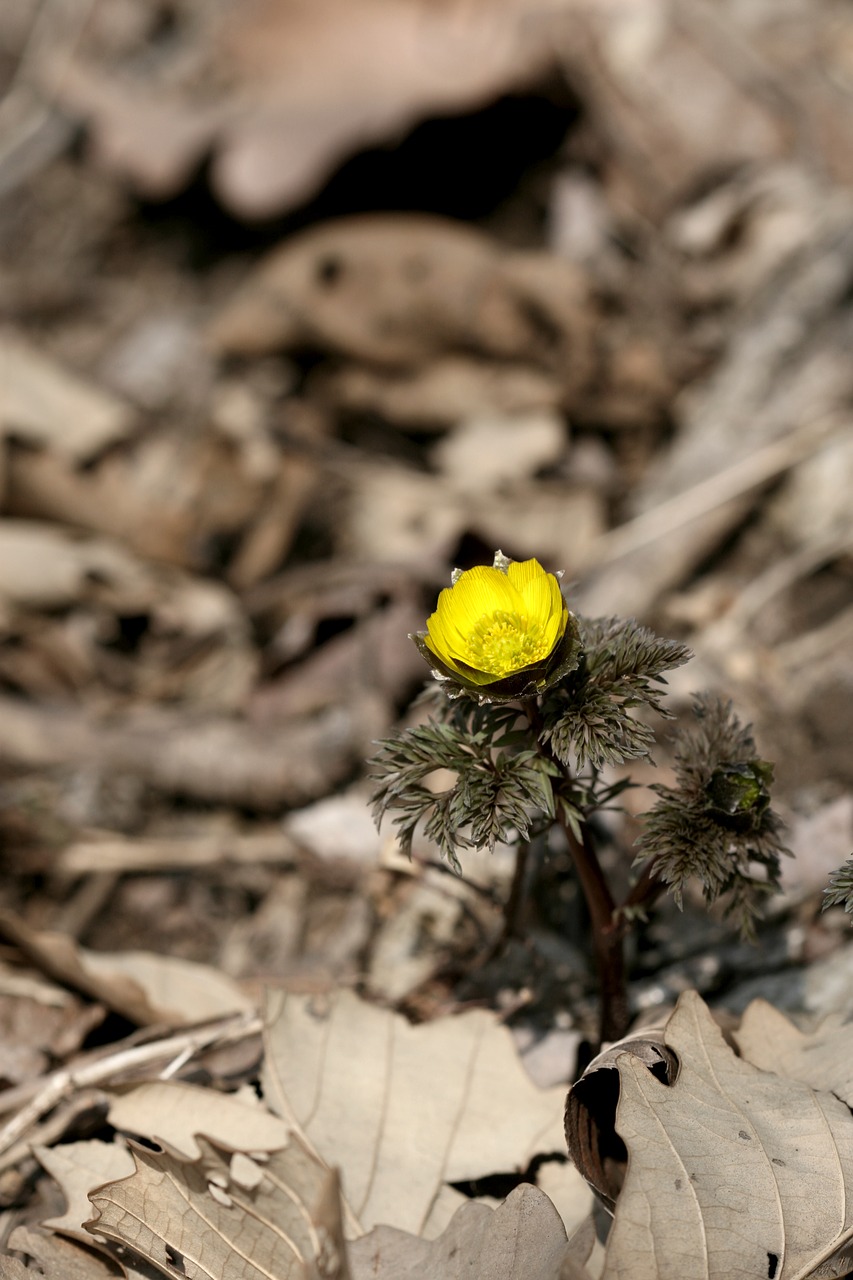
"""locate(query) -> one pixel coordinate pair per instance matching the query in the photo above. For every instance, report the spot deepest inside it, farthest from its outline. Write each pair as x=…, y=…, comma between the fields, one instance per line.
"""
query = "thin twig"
x=669, y=516
x=62, y=1083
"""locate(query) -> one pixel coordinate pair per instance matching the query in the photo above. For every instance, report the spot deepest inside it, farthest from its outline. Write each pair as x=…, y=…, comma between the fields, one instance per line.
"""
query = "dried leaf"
x=172, y=495
x=448, y=390
x=595, y=1148
x=404, y=1110
x=62, y=1259
x=33, y=1030
x=172, y=1113
x=310, y=84
x=484, y=454
x=216, y=758
x=523, y=1239
x=12, y=1269
x=732, y=1171
x=143, y=987
x=193, y=1219
x=400, y=290
x=43, y=404
x=822, y=1059
x=79, y=1167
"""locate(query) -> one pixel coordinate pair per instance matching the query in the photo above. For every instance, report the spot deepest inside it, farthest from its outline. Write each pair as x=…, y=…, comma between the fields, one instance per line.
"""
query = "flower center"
x=505, y=642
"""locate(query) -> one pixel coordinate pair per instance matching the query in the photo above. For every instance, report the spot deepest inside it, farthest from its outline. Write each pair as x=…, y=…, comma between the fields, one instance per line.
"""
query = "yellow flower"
x=501, y=630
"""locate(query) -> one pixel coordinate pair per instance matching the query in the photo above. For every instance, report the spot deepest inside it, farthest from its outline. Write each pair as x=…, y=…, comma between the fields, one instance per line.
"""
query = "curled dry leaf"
x=195, y=1221
x=732, y=1171
x=594, y=1144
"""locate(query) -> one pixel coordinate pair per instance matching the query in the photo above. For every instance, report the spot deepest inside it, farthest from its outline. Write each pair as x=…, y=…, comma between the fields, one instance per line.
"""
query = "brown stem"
x=514, y=902
x=643, y=893
x=607, y=935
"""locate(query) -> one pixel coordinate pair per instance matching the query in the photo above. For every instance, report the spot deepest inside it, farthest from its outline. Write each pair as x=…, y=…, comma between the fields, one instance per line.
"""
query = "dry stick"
x=700, y=499
x=61, y=1083
x=28, y=144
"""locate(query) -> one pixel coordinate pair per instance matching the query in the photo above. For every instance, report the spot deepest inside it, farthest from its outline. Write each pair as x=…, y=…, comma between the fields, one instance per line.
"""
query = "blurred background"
x=305, y=302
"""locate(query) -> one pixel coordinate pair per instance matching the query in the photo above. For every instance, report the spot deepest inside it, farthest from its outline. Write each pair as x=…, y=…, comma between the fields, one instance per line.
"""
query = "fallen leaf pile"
x=719, y=1157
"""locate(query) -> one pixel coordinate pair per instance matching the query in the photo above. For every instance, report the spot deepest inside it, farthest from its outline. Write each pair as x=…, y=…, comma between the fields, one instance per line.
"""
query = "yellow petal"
x=534, y=585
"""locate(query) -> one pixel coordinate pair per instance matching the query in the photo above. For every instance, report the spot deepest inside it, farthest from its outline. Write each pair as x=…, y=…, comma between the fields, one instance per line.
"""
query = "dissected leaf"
x=173, y=1113
x=195, y=1219
x=822, y=1059
x=403, y=1110
x=733, y=1172
x=523, y=1239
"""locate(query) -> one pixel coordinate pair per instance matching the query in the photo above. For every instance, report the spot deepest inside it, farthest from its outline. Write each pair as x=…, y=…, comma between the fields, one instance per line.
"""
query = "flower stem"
x=513, y=905
x=607, y=935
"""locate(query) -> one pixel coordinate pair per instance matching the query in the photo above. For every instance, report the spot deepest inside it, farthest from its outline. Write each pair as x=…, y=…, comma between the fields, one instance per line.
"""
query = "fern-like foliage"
x=500, y=788
x=839, y=892
x=587, y=722
x=717, y=823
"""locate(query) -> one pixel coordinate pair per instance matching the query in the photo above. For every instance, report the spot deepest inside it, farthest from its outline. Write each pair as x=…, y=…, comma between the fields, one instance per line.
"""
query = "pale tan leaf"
x=309, y=83
x=733, y=1172
x=142, y=986
x=401, y=1109
x=192, y=1219
x=173, y=1113
x=79, y=1167
x=48, y=406
x=567, y=1190
x=822, y=1059
x=467, y=295
x=12, y=1269
x=523, y=1239
x=61, y=1259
